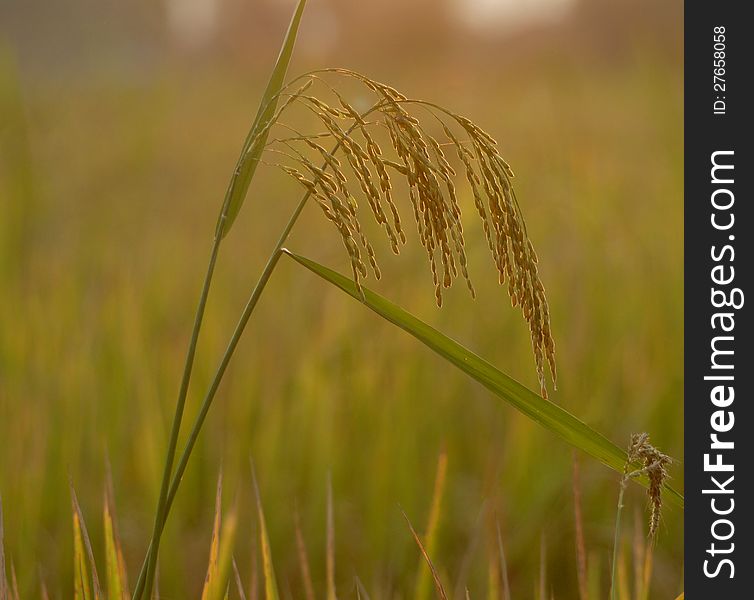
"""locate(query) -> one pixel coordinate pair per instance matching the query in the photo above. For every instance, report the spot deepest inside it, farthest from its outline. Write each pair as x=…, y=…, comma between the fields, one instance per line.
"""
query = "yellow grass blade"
x=114, y=583
x=219, y=587
x=214, y=547
x=270, y=584
x=80, y=572
x=493, y=579
x=81, y=533
x=430, y=538
x=117, y=585
x=680, y=597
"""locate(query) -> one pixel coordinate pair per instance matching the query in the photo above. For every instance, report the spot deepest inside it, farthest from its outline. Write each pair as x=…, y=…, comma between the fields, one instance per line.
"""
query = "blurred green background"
x=120, y=124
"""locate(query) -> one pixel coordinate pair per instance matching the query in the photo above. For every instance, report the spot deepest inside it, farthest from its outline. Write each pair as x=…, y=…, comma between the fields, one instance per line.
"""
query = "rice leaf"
x=254, y=144
x=270, y=584
x=545, y=412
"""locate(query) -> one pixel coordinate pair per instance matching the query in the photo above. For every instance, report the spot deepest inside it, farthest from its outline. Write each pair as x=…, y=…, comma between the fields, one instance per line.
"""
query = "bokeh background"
x=120, y=124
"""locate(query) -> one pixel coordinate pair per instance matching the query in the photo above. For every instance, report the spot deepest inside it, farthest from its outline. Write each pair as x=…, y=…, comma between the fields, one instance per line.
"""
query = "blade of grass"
x=115, y=584
x=81, y=590
x=270, y=583
x=430, y=537
x=545, y=412
x=219, y=587
x=80, y=528
x=435, y=576
x=361, y=591
x=503, y=563
x=214, y=547
x=146, y=575
x=239, y=584
x=303, y=558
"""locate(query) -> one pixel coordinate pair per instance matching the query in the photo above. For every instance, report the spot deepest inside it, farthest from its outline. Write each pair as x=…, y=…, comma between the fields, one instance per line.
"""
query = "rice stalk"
x=639, y=554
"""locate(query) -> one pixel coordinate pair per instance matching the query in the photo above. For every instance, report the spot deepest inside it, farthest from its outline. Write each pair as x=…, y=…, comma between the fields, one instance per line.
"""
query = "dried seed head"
x=654, y=466
x=419, y=158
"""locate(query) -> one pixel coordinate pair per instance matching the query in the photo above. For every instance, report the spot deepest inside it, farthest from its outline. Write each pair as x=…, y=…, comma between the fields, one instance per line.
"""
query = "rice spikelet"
x=423, y=161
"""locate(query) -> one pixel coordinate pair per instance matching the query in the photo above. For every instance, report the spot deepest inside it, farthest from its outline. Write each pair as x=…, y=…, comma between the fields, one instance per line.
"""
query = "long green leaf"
x=249, y=159
x=546, y=413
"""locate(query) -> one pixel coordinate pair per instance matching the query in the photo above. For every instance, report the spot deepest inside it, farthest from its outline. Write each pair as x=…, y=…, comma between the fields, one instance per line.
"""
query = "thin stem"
x=151, y=558
x=616, y=538
x=144, y=581
x=180, y=405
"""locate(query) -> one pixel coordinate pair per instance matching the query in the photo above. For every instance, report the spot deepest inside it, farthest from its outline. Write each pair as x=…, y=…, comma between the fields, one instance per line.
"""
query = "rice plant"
x=399, y=160
x=421, y=160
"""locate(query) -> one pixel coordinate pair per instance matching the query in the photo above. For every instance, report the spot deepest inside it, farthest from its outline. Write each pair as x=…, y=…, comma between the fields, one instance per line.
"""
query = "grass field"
x=109, y=191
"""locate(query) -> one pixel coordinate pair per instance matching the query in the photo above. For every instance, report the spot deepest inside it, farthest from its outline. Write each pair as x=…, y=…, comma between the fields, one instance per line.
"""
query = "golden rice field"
x=109, y=194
